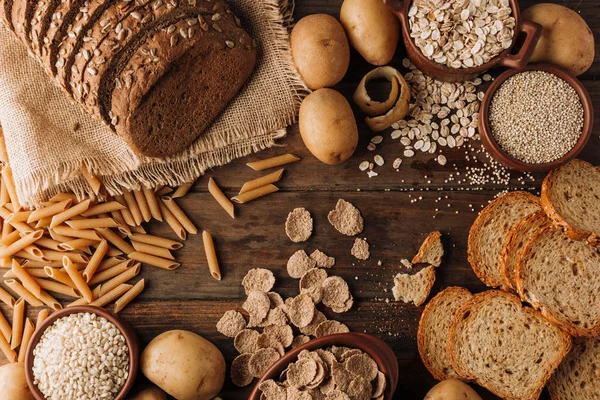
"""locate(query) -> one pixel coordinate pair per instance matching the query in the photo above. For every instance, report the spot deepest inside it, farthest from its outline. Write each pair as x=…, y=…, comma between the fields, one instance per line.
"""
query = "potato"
x=328, y=126
x=185, y=365
x=150, y=393
x=372, y=28
x=320, y=50
x=452, y=389
x=13, y=385
x=566, y=41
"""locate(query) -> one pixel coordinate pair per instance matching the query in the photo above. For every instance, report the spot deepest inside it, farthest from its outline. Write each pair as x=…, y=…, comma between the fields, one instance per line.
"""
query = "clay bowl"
x=504, y=158
x=126, y=330
x=376, y=348
x=526, y=32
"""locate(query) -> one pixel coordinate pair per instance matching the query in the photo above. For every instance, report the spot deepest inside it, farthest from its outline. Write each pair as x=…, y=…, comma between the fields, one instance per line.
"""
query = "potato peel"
x=369, y=106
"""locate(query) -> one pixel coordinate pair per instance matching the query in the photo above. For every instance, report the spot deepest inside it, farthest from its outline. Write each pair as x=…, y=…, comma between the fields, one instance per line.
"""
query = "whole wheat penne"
x=41, y=317
x=9, y=353
x=152, y=204
x=4, y=197
x=140, y=199
x=34, y=251
x=93, y=223
x=123, y=227
x=95, y=261
x=170, y=219
x=110, y=262
x=60, y=238
x=211, y=255
x=33, y=272
x=112, y=251
x=116, y=240
x=26, y=256
x=50, y=301
x=10, y=237
x=82, y=301
x=17, y=324
x=49, y=211
x=153, y=250
x=273, y=162
x=92, y=180
x=7, y=228
x=220, y=197
x=182, y=190
x=156, y=241
x=10, y=208
x=69, y=213
x=103, y=208
x=59, y=276
x=57, y=287
x=178, y=213
x=133, y=207
x=255, y=194
x=111, y=295
x=49, y=243
x=34, y=264
x=77, y=279
x=153, y=260
x=25, y=294
x=64, y=196
x=8, y=181
x=21, y=243
x=20, y=216
x=5, y=327
x=262, y=181
x=111, y=272
x=58, y=256
x=76, y=244
x=138, y=229
x=26, y=279
x=125, y=212
x=43, y=223
x=121, y=278
x=129, y=296
x=6, y=298
x=163, y=190
x=27, y=334
x=75, y=233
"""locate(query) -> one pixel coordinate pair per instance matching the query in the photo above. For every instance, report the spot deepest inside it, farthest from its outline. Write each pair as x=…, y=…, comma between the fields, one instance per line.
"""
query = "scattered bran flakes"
x=330, y=327
x=346, y=218
x=258, y=279
x=299, y=263
x=312, y=327
x=300, y=340
x=299, y=225
x=362, y=365
x=257, y=305
x=322, y=259
x=231, y=323
x=261, y=360
x=360, y=249
x=301, y=310
x=246, y=342
x=302, y=372
x=311, y=283
x=240, y=372
x=336, y=294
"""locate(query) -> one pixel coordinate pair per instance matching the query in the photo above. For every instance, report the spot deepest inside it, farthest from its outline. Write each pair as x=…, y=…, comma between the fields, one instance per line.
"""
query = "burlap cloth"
x=46, y=152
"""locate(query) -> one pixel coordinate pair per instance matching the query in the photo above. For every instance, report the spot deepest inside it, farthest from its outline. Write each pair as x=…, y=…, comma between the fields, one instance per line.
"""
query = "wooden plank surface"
x=400, y=209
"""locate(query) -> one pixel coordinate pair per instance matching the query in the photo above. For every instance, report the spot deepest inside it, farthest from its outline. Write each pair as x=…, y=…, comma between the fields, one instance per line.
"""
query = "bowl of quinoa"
x=82, y=353
x=536, y=118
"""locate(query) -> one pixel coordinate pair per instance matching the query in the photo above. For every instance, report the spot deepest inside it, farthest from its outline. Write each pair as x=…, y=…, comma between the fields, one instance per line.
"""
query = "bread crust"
x=6, y=13
x=422, y=334
x=475, y=301
x=429, y=241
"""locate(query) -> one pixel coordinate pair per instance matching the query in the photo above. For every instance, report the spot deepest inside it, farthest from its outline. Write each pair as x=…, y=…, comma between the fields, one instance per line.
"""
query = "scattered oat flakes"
x=299, y=263
x=360, y=249
x=379, y=160
x=362, y=365
x=261, y=360
x=311, y=328
x=311, y=283
x=300, y=340
x=301, y=310
x=414, y=288
x=322, y=259
x=346, y=218
x=363, y=166
x=258, y=279
x=240, y=373
x=299, y=225
x=377, y=139
x=330, y=327
x=231, y=323
x=246, y=341
x=397, y=163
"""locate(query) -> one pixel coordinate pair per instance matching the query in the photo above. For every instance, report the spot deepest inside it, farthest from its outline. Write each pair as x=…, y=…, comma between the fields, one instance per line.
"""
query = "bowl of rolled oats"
x=457, y=40
x=344, y=366
x=536, y=118
x=82, y=352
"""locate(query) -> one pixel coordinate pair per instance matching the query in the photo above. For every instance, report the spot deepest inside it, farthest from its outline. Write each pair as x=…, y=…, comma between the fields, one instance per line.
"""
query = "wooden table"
x=189, y=298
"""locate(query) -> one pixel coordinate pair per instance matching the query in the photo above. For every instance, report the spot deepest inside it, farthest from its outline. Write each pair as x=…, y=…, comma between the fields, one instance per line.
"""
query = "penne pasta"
x=140, y=199
x=49, y=243
x=178, y=213
x=26, y=256
x=92, y=223
x=262, y=181
x=34, y=264
x=103, y=208
x=19, y=216
x=5, y=327
x=78, y=280
x=162, y=191
x=123, y=226
x=138, y=229
x=69, y=213
x=153, y=250
x=6, y=298
x=21, y=243
x=50, y=301
x=43, y=223
x=95, y=261
x=156, y=241
x=125, y=212
x=133, y=207
x=120, y=279
x=59, y=255
x=67, y=231
x=255, y=194
x=27, y=334
x=220, y=197
x=110, y=262
x=92, y=180
x=170, y=219
x=9, y=353
x=25, y=294
x=211, y=255
x=129, y=296
x=182, y=190
x=10, y=237
x=111, y=272
x=17, y=324
x=34, y=251
x=64, y=196
x=41, y=317
x=154, y=260
x=116, y=240
x=26, y=280
x=152, y=204
x=59, y=276
x=8, y=181
x=57, y=287
x=76, y=244
x=33, y=272
x=111, y=295
x=4, y=197
x=49, y=211
x=273, y=162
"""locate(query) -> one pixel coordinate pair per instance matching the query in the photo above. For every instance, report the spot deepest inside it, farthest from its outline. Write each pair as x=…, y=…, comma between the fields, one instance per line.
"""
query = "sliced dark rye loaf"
x=561, y=277
x=194, y=73
x=515, y=242
x=507, y=348
x=22, y=13
x=576, y=378
x=434, y=326
x=40, y=22
x=571, y=198
x=489, y=232
x=6, y=13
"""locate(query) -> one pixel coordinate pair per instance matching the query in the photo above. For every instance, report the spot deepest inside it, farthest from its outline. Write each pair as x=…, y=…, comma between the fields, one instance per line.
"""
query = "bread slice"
x=431, y=251
x=571, y=198
x=515, y=242
x=489, y=232
x=414, y=288
x=561, y=277
x=576, y=378
x=434, y=326
x=507, y=348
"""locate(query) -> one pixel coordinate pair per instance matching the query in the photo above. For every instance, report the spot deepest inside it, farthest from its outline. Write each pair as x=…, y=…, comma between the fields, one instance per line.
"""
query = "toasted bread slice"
x=489, y=232
x=515, y=242
x=576, y=378
x=507, y=348
x=414, y=288
x=571, y=198
x=434, y=326
x=559, y=276
x=431, y=251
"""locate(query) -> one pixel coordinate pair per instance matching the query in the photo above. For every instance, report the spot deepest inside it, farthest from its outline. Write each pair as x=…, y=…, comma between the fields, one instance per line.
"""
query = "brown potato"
x=452, y=389
x=373, y=30
x=566, y=41
x=328, y=126
x=320, y=50
x=13, y=384
x=150, y=393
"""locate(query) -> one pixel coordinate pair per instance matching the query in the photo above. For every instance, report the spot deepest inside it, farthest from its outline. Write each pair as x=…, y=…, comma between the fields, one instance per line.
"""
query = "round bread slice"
x=560, y=277
x=507, y=348
x=489, y=232
x=571, y=198
x=517, y=237
x=432, y=336
x=576, y=378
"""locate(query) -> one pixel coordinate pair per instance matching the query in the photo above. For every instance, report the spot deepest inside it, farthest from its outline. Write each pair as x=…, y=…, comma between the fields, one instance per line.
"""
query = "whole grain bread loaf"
x=576, y=378
x=489, y=232
x=507, y=348
x=561, y=277
x=6, y=13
